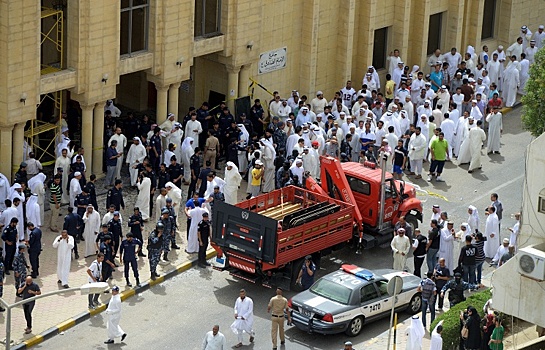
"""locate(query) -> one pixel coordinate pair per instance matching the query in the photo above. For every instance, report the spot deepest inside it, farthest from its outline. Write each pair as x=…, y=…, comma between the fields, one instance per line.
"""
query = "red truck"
x=265, y=239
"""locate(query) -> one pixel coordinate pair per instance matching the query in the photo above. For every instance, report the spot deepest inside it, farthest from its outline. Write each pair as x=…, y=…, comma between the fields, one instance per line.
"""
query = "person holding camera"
x=467, y=260
x=456, y=288
x=306, y=275
x=441, y=275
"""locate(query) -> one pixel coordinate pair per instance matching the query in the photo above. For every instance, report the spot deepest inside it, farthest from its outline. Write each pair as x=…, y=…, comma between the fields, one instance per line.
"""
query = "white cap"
x=258, y=162
x=471, y=80
x=443, y=87
x=318, y=93
x=541, y=27
x=427, y=101
x=77, y=173
x=500, y=47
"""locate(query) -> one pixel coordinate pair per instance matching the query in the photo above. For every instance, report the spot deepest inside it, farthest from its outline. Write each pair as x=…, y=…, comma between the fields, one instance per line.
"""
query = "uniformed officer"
x=82, y=201
x=2, y=270
x=203, y=233
x=174, y=217
x=34, y=248
x=20, y=266
x=127, y=253
x=195, y=165
x=100, y=236
x=108, y=265
x=9, y=236
x=72, y=225
x=155, y=243
x=115, y=196
x=136, y=223
x=277, y=306
x=167, y=222
x=114, y=226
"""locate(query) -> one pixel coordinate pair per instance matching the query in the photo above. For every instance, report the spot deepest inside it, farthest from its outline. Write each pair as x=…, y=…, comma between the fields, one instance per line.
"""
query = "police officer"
x=456, y=289
x=155, y=243
x=127, y=253
x=2, y=270
x=108, y=265
x=203, y=233
x=72, y=225
x=306, y=274
x=115, y=196
x=174, y=219
x=34, y=248
x=9, y=236
x=167, y=222
x=114, y=226
x=82, y=201
x=100, y=236
x=195, y=165
x=136, y=223
x=20, y=266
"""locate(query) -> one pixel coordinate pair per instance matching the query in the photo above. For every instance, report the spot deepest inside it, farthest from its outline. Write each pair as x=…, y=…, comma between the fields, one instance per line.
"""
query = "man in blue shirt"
x=436, y=78
x=190, y=204
x=306, y=275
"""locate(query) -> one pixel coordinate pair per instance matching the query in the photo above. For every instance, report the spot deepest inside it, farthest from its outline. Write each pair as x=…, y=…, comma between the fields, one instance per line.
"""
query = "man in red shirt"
x=495, y=101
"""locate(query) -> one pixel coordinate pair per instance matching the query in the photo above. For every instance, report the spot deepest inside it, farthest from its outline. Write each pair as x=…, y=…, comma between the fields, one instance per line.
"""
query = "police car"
x=344, y=300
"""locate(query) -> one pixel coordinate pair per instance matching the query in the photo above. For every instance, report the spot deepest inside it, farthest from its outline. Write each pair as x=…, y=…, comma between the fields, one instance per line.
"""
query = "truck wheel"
x=412, y=221
x=415, y=305
x=354, y=327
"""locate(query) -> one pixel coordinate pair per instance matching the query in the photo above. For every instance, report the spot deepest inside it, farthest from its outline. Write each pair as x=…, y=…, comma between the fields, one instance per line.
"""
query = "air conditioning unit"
x=531, y=263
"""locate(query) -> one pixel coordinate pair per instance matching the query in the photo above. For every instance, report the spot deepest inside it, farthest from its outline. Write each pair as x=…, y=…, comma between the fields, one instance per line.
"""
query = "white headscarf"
x=4, y=189
x=175, y=192
x=13, y=191
x=475, y=216
x=186, y=143
x=416, y=68
x=232, y=176
x=245, y=135
x=35, y=180
x=33, y=210
x=417, y=332
x=269, y=144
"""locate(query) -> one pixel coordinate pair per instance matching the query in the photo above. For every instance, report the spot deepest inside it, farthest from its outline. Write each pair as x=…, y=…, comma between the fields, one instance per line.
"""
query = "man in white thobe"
x=36, y=185
x=464, y=156
x=515, y=230
x=63, y=162
x=415, y=333
x=267, y=156
x=448, y=128
x=524, y=74
x=109, y=106
x=495, y=128
x=120, y=148
x=400, y=246
x=515, y=49
x=244, y=317
x=476, y=138
x=64, y=244
x=436, y=339
x=135, y=156
x=16, y=193
x=175, y=136
x=75, y=189
x=511, y=82
x=195, y=215
x=33, y=210
x=91, y=219
x=192, y=129
x=492, y=233
x=232, y=183
x=446, y=247
x=214, y=340
x=502, y=250
x=114, y=316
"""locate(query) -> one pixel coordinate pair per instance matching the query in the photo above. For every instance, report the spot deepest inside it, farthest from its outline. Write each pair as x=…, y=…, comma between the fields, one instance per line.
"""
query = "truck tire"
x=412, y=221
x=354, y=327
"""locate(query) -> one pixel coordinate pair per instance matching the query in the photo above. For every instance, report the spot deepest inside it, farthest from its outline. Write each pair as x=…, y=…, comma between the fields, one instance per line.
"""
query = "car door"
x=370, y=301
x=386, y=300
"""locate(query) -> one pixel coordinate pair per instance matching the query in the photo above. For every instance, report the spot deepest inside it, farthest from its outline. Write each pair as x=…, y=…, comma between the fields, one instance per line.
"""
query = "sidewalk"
x=53, y=310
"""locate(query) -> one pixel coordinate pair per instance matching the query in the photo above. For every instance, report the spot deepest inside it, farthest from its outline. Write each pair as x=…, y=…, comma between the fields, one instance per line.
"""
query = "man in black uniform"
x=10, y=238
x=155, y=242
x=136, y=223
x=34, y=248
x=202, y=180
x=419, y=251
x=101, y=235
x=114, y=226
x=91, y=190
x=457, y=287
x=175, y=172
x=167, y=222
x=156, y=149
x=153, y=178
x=195, y=166
x=108, y=265
x=203, y=233
x=115, y=196
x=162, y=176
x=72, y=225
x=128, y=256
x=174, y=221
x=82, y=201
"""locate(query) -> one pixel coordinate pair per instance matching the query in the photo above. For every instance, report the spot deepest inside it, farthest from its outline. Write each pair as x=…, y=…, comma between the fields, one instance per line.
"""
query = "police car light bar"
x=358, y=272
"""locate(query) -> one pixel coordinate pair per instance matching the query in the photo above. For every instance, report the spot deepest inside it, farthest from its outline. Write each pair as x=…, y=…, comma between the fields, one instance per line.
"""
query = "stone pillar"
x=173, y=93
x=232, y=86
x=98, y=138
x=244, y=80
x=5, y=150
x=162, y=97
x=87, y=133
x=18, y=142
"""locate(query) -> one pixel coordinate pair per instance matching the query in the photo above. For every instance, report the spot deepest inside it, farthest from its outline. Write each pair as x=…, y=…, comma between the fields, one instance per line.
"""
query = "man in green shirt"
x=439, y=154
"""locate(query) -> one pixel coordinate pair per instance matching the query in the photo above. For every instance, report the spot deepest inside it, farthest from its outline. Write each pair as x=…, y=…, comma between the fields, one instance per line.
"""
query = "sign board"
x=272, y=60
x=395, y=285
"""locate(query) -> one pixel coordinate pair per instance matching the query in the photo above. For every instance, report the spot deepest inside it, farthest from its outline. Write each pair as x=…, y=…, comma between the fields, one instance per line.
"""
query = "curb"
x=84, y=316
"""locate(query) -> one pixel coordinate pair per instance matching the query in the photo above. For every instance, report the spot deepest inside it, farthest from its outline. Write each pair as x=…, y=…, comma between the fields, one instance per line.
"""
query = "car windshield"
x=331, y=290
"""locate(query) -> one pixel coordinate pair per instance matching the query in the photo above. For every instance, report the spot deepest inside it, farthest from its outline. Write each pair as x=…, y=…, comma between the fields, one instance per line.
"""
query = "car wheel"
x=355, y=327
x=415, y=305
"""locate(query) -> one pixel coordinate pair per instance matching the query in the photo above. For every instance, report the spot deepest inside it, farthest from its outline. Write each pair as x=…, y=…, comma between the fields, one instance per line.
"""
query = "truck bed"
x=279, y=227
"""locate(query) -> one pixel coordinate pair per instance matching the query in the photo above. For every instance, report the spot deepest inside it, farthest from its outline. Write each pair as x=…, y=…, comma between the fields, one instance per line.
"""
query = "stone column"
x=98, y=138
x=173, y=93
x=87, y=133
x=5, y=150
x=162, y=97
x=244, y=80
x=18, y=142
x=232, y=86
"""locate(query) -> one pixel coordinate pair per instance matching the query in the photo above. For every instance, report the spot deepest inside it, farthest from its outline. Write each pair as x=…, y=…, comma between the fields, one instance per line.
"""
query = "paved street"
x=191, y=291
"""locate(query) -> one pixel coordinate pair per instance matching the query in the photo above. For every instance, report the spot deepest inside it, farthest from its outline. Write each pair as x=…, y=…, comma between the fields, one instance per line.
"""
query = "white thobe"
x=514, y=234
x=464, y=156
x=39, y=189
x=135, y=156
x=64, y=163
x=436, y=341
x=187, y=153
x=514, y=49
x=448, y=128
x=232, y=182
x=20, y=215
x=33, y=211
x=460, y=135
x=160, y=202
x=495, y=125
x=243, y=309
x=175, y=137
x=192, y=129
x=64, y=256
x=476, y=113
x=453, y=62
x=92, y=228
x=193, y=239
x=214, y=342
x=414, y=344
x=291, y=142
x=494, y=71
x=269, y=174
x=511, y=81
x=492, y=227
x=120, y=148
x=502, y=250
x=523, y=75
x=142, y=201
x=114, y=315
x=4, y=190
x=476, y=138
x=400, y=245
x=446, y=248
x=75, y=189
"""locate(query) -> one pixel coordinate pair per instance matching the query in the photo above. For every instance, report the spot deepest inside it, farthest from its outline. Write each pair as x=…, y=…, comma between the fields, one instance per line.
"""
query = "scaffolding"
x=53, y=36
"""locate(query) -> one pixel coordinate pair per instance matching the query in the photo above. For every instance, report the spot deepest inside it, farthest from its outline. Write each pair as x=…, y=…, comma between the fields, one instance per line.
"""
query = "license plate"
x=306, y=313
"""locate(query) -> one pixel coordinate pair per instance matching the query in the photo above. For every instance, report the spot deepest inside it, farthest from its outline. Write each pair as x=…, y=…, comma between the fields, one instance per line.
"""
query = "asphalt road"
x=177, y=314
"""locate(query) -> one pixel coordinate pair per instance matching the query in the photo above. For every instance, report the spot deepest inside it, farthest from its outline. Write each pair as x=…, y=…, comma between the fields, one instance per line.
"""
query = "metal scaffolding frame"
x=50, y=35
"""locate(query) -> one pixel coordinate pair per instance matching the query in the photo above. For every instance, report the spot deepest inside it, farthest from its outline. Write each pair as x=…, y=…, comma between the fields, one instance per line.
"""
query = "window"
x=489, y=19
x=134, y=26
x=358, y=185
x=380, y=43
x=332, y=291
x=541, y=202
x=434, y=32
x=368, y=293
x=383, y=287
x=207, y=18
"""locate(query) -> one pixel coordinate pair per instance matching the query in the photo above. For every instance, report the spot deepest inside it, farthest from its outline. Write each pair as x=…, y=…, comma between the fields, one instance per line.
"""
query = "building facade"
x=171, y=54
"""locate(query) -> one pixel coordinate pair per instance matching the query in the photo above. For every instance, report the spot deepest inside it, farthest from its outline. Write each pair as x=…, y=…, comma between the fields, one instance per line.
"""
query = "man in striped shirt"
x=55, y=202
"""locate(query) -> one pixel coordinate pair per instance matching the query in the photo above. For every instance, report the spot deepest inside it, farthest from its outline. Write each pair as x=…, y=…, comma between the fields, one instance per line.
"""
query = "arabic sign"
x=272, y=60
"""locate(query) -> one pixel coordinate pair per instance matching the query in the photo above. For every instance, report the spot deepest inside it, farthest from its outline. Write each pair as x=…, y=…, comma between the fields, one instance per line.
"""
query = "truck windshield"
x=332, y=291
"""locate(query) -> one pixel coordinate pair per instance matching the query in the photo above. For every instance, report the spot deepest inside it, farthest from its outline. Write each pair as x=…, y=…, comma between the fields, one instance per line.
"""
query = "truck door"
x=391, y=205
x=363, y=194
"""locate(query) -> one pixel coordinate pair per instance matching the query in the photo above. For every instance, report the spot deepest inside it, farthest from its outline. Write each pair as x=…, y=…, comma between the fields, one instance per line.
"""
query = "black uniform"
x=175, y=171
x=204, y=182
x=91, y=189
x=155, y=143
x=163, y=177
x=136, y=223
x=9, y=235
x=72, y=224
x=204, y=230
x=128, y=250
x=82, y=200
x=195, y=165
x=420, y=254
x=107, y=250
x=114, y=226
x=115, y=197
x=34, y=250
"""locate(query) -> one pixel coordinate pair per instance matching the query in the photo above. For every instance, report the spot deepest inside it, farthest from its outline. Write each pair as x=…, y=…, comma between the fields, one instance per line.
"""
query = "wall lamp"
x=105, y=78
x=250, y=44
x=23, y=98
x=180, y=61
